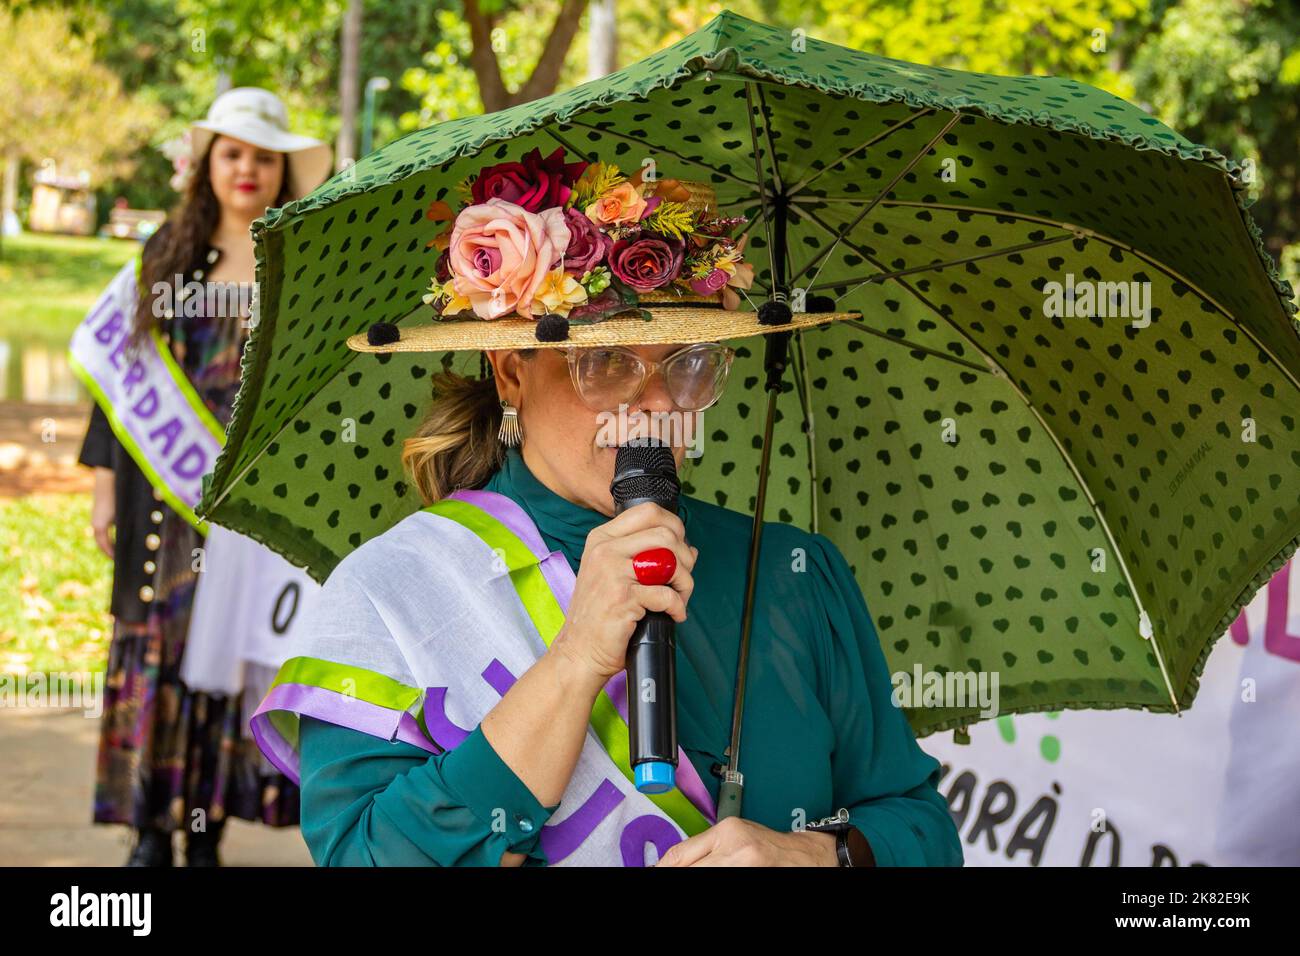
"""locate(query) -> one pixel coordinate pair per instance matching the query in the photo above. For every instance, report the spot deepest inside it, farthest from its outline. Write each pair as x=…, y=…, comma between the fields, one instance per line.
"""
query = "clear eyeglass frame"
x=647, y=367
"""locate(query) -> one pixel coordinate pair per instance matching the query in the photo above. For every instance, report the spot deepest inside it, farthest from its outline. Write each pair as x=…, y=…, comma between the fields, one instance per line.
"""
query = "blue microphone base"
x=654, y=776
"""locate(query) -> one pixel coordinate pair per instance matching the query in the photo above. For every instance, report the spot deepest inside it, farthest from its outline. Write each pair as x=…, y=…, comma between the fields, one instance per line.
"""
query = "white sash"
x=149, y=401
x=428, y=608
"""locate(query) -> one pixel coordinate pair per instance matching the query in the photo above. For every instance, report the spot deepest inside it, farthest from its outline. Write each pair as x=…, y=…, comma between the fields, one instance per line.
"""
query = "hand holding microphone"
x=608, y=598
x=633, y=584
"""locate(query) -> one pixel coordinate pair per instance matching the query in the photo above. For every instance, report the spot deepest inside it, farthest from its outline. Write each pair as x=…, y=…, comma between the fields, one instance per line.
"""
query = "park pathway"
x=45, y=801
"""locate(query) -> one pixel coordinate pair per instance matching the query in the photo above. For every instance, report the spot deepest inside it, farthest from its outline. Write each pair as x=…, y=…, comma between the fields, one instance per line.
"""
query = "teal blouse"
x=820, y=729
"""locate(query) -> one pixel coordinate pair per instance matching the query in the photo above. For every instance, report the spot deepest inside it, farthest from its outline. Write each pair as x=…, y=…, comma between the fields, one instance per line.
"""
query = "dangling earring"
x=510, y=434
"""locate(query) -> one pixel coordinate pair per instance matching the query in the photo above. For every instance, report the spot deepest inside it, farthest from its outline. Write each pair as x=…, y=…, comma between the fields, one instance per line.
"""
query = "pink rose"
x=500, y=252
x=711, y=283
x=588, y=246
x=646, y=263
x=535, y=183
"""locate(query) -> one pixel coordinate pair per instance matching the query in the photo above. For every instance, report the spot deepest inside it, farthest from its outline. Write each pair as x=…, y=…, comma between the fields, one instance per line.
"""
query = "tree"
x=349, y=84
x=482, y=17
x=1227, y=73
x=1074, y=38
x=57, y=101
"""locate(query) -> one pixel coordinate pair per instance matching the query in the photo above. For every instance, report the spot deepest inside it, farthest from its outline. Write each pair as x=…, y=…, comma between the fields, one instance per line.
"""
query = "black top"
x=139, y=509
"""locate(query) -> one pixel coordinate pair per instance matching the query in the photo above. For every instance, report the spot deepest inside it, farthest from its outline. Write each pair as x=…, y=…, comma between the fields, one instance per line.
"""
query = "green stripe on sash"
x=137, y=455
x=356, y=683
x=525, y=573
x=545, y=611
x=186, y=388
x=349, y=681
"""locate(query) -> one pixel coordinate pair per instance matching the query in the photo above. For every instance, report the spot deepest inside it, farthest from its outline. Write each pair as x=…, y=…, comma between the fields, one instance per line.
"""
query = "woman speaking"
x=459, y=698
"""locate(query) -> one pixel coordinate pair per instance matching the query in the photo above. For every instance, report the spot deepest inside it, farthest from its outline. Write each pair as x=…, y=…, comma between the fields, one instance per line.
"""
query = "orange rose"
x=622, y=205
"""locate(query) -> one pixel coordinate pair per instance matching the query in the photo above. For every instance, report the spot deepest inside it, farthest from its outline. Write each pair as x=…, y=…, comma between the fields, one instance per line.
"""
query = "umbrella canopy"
x=1027, y=473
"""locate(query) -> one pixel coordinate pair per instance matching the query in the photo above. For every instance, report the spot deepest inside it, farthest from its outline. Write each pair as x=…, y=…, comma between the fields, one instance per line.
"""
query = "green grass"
x=54, y=587
x=48, y=283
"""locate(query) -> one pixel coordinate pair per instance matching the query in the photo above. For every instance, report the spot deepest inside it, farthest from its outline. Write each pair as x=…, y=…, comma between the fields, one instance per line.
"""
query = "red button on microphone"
x=655, y=566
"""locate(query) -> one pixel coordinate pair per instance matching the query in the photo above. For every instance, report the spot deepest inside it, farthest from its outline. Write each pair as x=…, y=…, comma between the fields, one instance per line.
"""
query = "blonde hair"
x=456, y=445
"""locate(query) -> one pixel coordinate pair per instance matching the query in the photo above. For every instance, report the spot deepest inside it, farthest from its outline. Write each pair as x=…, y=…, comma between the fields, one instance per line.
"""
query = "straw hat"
x=259, y=117
x=676, y=314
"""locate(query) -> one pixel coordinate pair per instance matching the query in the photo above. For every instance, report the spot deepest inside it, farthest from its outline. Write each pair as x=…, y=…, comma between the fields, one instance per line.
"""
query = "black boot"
x=201, y=848
x=153, y=847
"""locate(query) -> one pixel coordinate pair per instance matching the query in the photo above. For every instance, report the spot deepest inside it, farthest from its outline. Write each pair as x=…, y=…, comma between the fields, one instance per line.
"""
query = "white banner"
x=1218, y=785
x=246, y=604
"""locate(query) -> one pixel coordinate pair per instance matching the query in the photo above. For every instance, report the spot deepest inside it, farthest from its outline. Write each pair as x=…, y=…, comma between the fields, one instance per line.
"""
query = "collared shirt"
x=820, y=729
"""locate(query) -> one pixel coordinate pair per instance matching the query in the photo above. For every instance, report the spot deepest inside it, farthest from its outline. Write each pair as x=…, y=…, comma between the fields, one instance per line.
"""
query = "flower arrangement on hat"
x=581, y=240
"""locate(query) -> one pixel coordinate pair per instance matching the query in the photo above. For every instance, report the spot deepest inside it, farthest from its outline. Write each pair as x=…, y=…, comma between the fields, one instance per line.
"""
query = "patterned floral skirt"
x=168, y=757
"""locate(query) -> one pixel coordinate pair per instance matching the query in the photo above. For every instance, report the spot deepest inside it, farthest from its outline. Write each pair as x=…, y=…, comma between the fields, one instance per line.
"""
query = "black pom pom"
x=383, y=333
x=774, y=313
x=552, y=328
x=819, y=303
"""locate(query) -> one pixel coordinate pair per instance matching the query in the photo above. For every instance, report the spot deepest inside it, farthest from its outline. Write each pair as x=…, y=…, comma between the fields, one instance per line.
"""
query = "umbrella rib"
x=1086, y=233
x=996, y=368
x=910, y=270
x=230, y=486
x=566, y=144
x=1105, y=527
x=762, y=187
x=814, y=218
x=952, y=121
x=749, y=224
x=916, y=347
x=767, y=135
x=659, y=149
x=883, y=134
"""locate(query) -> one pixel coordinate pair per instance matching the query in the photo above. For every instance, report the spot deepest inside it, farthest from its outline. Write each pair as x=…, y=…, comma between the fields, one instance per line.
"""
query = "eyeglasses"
x=608, y=376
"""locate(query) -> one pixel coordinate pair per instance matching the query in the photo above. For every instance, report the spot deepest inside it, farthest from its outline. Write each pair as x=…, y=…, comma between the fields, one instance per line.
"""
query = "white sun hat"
x=258, y=116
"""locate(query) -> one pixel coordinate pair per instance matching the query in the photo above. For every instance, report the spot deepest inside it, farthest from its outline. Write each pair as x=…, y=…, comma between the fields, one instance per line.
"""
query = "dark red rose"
x=646, y=263
x=606, y=303
x=535, y=183
x=588, y=246
x=442, y=269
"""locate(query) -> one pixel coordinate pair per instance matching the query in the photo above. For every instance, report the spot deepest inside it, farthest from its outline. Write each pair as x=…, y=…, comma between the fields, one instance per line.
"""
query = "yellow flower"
x=732, y=258
x=728, y=262
x=457, y=302
x=560, y=292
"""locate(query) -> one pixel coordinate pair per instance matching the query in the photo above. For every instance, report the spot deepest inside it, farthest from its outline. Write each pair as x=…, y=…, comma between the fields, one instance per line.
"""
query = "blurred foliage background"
x=98, y=84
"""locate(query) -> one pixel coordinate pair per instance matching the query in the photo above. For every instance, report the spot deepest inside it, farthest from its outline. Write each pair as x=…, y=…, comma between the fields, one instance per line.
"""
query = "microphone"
x=644, y=470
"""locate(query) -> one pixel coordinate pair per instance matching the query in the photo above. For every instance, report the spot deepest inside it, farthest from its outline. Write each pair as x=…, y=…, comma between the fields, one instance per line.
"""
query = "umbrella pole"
x=731, y=789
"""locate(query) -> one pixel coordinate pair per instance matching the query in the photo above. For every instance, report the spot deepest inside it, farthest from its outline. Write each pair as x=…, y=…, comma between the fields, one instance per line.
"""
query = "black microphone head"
x=645, y=470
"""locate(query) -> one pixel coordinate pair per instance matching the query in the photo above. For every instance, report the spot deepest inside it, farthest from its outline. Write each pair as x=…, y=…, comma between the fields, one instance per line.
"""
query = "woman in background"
x=170, y=757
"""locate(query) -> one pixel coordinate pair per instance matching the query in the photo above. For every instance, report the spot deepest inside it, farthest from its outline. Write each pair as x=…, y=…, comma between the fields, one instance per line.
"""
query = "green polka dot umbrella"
x=1060, y=444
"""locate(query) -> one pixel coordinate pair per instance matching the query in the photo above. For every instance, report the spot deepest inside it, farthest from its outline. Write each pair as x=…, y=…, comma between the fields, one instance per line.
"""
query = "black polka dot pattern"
x=971, y=456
